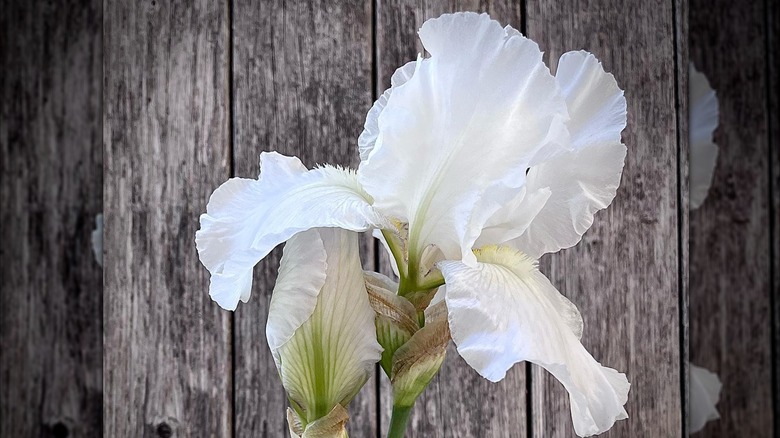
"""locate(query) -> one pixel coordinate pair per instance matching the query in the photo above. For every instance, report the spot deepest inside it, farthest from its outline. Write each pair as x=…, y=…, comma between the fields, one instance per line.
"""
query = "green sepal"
x=333, y=425
x=396, y=318
x=420, y=358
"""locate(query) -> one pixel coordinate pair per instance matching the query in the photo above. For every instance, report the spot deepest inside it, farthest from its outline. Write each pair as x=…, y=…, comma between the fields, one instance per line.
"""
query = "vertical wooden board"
x=459, y=402
x=50, y=194
x=773, y=59
x=623, y=275
x=166, y=137
x=730, y=292
x=683, y=190
x=301, y=86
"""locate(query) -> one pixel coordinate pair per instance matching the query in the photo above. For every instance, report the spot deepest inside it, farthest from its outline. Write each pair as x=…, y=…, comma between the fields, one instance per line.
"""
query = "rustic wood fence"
x=173, y=97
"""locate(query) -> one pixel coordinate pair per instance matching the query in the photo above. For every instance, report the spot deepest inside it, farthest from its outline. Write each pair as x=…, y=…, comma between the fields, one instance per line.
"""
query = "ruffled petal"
x=504, y=311
x=511, y=221
x=368, y=137
x=705, y=389
x=327, y=358
x=456, y=138
x=703, y=121
x=585, y=179
x=245, y=218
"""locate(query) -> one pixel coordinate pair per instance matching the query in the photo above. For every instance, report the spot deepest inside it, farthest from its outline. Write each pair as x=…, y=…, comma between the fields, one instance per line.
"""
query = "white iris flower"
x=475, y=163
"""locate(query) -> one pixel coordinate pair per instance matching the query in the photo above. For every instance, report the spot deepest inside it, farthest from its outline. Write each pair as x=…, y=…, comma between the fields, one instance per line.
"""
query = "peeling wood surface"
x=50, y=192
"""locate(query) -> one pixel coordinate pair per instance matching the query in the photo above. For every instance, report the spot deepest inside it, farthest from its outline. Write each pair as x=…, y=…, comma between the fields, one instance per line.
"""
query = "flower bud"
x=321, y=329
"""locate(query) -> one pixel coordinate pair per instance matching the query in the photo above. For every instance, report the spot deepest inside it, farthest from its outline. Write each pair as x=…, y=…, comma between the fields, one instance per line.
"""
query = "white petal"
x=514, y=218
x=97, y=239
x=584, y=180
x=596, y=104
x=703, y=121
x=299, y=281
x=329, y=357
x=581, y=183
x=456, y=138
x=504, y=311
x=705, y=392
x=371, y=127
x=245, y=219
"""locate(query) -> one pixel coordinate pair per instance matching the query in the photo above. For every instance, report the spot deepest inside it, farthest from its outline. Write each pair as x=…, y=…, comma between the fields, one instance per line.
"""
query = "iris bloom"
x=475, y=163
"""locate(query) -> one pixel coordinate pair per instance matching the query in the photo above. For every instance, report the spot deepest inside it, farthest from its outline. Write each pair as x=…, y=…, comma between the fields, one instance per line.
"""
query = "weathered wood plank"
x=166, y=136
x=730, y=250
x=683, y=226
x=773, y=59
x=459, y=402
x=301, y=86
x=623, y=276
x=50, y=192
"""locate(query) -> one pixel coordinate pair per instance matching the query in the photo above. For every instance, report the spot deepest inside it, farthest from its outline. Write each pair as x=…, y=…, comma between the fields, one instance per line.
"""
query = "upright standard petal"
x=585, y=179
x=454, y=141
x=370, y=132
x=504, y=311
x=705, y=389
x=245, y=218
x=324, y=342
x=703, y=120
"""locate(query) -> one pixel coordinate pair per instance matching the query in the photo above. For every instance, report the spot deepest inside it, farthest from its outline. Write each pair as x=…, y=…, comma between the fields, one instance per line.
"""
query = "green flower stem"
x=398, y=421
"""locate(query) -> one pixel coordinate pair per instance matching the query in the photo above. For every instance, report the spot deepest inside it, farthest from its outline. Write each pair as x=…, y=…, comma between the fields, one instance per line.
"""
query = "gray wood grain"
x=301, y=86
x=773, y=62
x=50, y=193
x=624, y=274
x=683, y=210
x=730, y=312
x=458, y=402
x=167, y=351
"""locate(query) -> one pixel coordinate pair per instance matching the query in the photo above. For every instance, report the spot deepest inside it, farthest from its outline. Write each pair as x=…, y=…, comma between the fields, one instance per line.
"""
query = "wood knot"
x=164, y=430
x=59, y=430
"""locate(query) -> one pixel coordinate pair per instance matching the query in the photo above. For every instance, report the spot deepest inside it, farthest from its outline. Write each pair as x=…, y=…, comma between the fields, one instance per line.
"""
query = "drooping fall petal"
x=504, y=311
x=245, y=218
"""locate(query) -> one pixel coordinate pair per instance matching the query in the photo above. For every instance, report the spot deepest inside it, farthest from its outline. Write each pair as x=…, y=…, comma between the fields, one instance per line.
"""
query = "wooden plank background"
x=50, y=192
x=624, y=274
x=193, y=91
x=167, y=351
x=730, y=272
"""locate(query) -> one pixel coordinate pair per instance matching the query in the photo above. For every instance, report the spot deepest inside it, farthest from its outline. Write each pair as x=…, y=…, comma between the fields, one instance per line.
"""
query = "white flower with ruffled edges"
x=478, y=161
